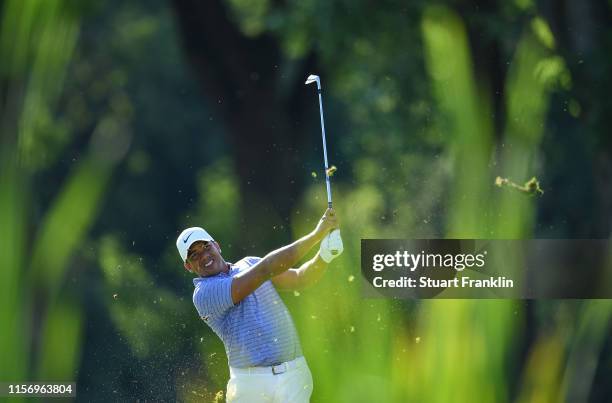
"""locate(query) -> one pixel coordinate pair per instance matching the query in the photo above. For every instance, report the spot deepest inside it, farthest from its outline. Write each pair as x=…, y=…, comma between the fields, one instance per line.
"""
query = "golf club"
x=311, y=79
x=334, y=240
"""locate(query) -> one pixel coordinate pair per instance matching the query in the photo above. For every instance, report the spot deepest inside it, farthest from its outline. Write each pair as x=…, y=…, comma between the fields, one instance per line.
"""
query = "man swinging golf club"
x=240, y=303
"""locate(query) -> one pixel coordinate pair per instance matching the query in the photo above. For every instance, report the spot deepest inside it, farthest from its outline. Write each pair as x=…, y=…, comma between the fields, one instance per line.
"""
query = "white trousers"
x=289, y=382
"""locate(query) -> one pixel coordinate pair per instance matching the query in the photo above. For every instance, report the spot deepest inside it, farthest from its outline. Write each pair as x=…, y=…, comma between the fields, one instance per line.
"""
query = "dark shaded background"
x=123, y=122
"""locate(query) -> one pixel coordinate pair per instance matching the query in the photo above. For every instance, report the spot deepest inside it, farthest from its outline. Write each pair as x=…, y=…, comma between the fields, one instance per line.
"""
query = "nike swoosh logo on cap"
x=186, y=239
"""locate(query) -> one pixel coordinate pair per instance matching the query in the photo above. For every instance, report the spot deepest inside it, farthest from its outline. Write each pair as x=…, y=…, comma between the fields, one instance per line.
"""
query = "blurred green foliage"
x=108, y=149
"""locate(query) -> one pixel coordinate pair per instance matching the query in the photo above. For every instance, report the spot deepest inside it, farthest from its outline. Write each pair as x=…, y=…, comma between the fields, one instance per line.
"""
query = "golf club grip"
x=328, y=187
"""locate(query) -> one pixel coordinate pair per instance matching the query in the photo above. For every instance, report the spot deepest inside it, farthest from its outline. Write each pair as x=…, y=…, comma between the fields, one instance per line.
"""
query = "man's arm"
x=312, y=271
x=281, y=260
x=306, y=275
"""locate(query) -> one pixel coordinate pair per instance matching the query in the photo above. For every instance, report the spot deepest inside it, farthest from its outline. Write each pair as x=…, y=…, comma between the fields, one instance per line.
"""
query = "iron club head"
x=314, y=78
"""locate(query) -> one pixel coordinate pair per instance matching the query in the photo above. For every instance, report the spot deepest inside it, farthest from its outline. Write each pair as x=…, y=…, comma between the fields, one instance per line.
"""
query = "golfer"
x=240, y=303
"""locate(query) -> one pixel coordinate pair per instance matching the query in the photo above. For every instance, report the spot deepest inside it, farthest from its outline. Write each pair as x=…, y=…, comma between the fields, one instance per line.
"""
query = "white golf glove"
x=331, y=246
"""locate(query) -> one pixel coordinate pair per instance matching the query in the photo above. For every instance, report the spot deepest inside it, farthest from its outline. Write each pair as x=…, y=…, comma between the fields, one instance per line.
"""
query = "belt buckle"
x=279, y=369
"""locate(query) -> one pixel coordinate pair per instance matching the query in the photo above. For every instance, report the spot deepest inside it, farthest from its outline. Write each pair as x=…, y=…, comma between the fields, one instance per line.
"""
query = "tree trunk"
x=241, y=76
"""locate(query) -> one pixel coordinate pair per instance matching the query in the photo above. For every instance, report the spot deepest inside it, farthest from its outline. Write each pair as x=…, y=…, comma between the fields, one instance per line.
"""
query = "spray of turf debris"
x=331, y=170
x=218, y=397
x=531, y=187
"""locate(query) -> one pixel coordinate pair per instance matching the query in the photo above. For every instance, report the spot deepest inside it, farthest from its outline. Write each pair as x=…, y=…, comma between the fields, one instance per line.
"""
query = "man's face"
x=204, y=259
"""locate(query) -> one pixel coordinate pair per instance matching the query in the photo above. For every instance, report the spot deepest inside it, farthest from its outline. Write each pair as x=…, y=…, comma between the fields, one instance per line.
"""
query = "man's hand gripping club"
x=281, y=260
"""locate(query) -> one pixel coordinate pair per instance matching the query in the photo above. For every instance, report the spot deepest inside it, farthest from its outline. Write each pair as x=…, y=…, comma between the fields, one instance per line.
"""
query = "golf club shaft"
x=327, y=182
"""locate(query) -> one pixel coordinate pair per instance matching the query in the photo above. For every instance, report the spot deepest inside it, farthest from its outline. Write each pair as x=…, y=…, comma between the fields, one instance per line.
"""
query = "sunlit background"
x=121, y=123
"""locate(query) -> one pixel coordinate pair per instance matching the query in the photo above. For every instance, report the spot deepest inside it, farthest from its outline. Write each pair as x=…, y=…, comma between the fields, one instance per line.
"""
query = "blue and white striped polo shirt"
x=258, y=331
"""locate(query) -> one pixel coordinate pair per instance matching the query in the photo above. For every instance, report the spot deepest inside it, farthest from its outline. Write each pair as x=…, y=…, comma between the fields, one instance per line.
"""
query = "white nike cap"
x=188, y=237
